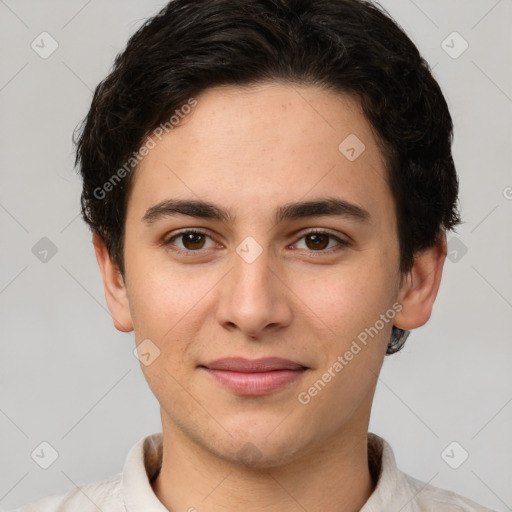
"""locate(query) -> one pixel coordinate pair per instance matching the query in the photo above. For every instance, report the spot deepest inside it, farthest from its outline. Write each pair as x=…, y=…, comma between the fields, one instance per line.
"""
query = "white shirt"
x=131, y=491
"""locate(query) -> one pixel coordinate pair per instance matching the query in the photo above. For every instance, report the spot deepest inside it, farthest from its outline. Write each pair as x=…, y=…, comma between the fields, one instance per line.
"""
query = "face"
x=261, y=274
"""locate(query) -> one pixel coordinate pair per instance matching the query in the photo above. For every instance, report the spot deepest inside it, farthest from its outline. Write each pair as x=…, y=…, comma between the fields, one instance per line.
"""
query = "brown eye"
x=193, y=240
x=317, y=241
x=322, y=242
x=188, y=241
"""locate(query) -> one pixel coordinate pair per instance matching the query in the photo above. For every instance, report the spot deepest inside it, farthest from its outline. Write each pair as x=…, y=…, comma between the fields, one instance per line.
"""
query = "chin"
x=256, y=454
x=260, y=444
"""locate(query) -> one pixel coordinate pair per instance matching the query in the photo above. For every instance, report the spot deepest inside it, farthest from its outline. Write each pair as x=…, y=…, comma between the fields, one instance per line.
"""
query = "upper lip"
x=266, y=364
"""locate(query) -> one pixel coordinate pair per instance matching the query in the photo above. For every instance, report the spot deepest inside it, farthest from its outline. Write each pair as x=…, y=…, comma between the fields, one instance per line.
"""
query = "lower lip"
x=254, y=384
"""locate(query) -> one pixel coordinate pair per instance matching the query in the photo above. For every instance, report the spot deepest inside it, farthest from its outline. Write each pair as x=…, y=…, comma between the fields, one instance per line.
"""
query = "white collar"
x=144, y=461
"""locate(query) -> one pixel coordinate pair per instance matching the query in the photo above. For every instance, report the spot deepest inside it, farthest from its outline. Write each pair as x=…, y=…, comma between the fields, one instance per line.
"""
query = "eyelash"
x=167, y=243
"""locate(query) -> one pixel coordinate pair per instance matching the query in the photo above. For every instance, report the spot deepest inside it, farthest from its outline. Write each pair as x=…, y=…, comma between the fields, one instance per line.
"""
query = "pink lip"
x=254, y=377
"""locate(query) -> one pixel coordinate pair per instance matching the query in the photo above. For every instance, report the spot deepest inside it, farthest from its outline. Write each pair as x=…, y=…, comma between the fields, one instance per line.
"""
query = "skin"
x=294, y=300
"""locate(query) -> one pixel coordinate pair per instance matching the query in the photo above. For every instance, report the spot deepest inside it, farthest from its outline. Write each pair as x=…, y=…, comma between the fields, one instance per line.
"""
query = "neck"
x=328, y=478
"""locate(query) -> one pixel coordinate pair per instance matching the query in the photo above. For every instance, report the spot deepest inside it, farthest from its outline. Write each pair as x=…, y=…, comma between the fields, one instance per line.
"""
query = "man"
x=268, y=185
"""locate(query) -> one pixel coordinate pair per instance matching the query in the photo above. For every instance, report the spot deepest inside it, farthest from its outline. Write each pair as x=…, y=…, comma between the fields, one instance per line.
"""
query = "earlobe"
x=419, y=288
x=114, y=287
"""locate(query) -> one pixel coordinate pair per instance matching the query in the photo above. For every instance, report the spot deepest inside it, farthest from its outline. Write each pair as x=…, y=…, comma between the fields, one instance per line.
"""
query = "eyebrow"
x=334, y=207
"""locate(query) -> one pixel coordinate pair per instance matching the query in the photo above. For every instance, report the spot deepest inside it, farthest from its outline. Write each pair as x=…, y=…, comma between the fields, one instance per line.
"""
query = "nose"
x=254, y=299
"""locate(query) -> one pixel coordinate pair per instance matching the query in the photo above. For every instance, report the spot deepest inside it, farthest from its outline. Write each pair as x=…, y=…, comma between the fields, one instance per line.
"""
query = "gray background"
x=70, y=379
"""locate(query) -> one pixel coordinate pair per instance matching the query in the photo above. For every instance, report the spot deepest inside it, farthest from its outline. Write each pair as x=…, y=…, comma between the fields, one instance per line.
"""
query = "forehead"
x=260, y=144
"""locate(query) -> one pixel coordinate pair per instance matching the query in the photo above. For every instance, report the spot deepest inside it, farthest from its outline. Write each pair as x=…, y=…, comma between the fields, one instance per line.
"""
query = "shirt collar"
x=145, y=458
x=142, y=466
x=385, y=472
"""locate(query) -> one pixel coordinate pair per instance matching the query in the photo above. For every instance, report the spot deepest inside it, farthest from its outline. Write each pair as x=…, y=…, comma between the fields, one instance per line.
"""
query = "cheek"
x=351, y=340
x=351, y=297
x=166, y=309
x=169, y=306
x=164, y=296
x=356, y=320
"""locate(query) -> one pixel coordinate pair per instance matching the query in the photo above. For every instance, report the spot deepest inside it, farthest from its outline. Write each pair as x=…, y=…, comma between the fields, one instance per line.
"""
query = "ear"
x=113, y=286
x=420, y=286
